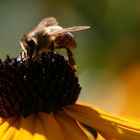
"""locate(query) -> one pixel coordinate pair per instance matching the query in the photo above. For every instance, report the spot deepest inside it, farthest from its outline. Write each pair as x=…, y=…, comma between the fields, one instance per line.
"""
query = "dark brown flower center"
x=44, y=84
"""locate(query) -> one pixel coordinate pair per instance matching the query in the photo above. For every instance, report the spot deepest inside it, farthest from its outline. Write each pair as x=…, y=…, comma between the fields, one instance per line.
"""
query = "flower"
x=38, y=102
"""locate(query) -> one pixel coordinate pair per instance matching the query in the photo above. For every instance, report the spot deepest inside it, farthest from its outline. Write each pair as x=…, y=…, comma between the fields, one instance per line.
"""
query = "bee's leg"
x=37, y=52
x=22, y=54
x=71, y=59
x=51, y=47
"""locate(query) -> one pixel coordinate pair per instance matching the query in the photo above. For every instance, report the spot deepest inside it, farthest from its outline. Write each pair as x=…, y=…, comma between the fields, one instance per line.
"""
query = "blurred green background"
x=108, y=54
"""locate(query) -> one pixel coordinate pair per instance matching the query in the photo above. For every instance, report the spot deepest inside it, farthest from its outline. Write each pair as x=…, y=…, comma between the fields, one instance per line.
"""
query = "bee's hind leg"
x=71, y=59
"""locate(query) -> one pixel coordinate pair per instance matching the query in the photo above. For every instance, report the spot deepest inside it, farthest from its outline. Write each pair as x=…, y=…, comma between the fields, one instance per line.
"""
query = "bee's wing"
x=69, y=29
x=49, y=21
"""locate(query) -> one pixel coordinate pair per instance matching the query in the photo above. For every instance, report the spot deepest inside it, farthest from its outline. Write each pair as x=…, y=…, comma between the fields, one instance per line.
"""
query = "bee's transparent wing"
x=49, y=21
x=69, y=29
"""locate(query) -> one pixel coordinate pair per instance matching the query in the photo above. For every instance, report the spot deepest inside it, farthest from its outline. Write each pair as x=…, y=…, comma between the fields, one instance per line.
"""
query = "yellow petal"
x=39, y=131
x=2, y=121
x=101, y=138
x=11, y=132
x=108, y=125
x=4, y=127
x=26, y=130
x=89, y=135
x=18, y=125
x=51, y=126
x=16, y=137
x=70, y=127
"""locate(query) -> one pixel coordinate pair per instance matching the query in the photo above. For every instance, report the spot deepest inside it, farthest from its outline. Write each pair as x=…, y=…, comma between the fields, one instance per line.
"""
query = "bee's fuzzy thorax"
x=43, y=84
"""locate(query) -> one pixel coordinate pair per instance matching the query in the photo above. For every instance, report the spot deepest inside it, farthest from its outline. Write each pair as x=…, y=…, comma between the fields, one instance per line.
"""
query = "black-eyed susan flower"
x=38, y=102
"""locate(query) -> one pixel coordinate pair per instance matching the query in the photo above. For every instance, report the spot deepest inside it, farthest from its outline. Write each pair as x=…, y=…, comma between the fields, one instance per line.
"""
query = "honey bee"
x=48, y=36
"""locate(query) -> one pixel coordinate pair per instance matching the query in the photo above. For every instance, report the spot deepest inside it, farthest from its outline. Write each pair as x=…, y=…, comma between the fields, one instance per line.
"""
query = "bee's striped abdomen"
x=67, y=40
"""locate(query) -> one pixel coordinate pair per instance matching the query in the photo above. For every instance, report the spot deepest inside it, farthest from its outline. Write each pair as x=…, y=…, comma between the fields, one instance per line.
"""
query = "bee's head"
x=28, y=45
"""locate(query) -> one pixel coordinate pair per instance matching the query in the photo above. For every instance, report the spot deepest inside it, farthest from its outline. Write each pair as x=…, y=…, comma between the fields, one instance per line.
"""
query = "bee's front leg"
x=22, y=54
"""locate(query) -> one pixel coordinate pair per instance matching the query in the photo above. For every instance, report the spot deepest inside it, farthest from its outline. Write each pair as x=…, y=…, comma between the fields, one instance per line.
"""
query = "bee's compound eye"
x=31, y=42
